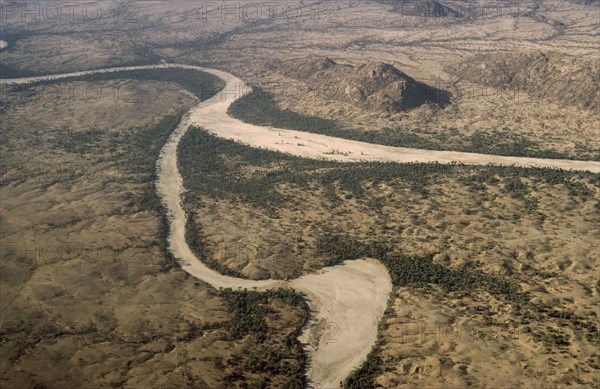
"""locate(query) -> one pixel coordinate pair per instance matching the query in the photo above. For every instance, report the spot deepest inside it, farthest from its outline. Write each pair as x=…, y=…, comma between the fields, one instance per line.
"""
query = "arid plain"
x=91, y=297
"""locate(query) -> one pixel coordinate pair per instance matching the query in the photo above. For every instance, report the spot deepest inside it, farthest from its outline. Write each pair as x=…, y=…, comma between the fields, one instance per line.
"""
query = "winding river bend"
x=347, y=300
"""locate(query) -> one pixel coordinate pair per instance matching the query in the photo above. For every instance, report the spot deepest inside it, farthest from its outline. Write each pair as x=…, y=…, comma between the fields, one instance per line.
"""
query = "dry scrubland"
x=281, y=217
x=156, y=326
x=88, y=295
x=477, y=109
x=444, y=52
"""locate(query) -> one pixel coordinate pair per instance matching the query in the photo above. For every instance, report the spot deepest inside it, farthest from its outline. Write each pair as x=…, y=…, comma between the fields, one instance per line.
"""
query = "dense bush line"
x=146, y=149
x=364, y=376
x=413, y=271
x=198, y=244
x=142, y=147
x=202, y=85
x=250, y=310
x=259, y=107
x=221, y=172
x=421, y=271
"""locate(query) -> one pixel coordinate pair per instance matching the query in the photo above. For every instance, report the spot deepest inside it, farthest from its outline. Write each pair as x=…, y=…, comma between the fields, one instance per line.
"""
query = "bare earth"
x=358, y=289
x=345, y=330
x=215, y=119
x=349, y=301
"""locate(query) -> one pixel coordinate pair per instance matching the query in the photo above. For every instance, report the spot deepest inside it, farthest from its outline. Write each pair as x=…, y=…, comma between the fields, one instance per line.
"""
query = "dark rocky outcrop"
x=374, y=85
x=564, y=79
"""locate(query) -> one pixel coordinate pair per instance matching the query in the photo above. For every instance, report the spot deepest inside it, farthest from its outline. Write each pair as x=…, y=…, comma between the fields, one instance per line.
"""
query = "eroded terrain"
x=77, y=321
x=93, y=301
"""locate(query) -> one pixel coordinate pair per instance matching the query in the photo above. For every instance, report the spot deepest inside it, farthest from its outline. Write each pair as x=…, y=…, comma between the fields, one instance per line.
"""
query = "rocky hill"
x=423, y=8
x=373, y=85
x=554, y=76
